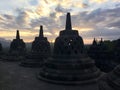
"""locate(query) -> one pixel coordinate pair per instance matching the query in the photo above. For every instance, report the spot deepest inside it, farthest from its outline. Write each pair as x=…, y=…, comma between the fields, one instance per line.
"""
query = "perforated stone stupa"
x=40, y=50
x=17, y=49
x=17, y=45
x=69, y=64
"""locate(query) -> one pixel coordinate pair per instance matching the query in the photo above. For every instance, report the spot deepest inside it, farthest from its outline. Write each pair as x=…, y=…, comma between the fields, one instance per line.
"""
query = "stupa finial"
x=94, y=41
x=68, y=22
x=41, y=31
x=101, y=39
x=17, y=35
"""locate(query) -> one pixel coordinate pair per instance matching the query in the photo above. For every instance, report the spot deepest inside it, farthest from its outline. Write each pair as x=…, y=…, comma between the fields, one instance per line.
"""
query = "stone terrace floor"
x=15, y=77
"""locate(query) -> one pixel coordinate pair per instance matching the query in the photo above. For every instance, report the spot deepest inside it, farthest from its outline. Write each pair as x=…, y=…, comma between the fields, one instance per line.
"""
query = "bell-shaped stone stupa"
x=69, y=64
x=40, y=50
x=17, y=49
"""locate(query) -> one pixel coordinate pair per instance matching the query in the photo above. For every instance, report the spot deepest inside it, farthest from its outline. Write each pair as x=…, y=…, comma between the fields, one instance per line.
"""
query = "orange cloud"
x=84, y=29
x=87, y=41
x=47, y=33
x=99, y=1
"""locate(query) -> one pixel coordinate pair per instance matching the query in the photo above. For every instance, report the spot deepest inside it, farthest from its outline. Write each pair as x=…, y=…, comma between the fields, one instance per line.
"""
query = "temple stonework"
x=117, y=50
x=1, y=50
x=92, y=52
x=111, y=81
x=100, y=53
x=69, y=64
x=1, y=47
x=40, y=50
x=17, y=49
x=41, y=45
x=17, y=45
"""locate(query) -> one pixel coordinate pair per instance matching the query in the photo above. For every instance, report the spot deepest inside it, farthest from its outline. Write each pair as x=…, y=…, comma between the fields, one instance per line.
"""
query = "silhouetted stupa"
x=102, y=56
x=40, y=50
x=69, y=64
x=104, y=59
x=117, y=50
x=17, y=49
x=93, y=50
x=17, y=45
x=1, y=47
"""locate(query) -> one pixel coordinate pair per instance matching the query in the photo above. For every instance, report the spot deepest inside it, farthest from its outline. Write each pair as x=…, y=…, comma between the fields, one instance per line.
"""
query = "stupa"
x=103, y=60
x=111, y=81
x=1, y=50
x=0, y=47
x=40, y=50
x=17, y=45
x=117, y=50
x=17, y=49
x=69, y=64
x=93, y=50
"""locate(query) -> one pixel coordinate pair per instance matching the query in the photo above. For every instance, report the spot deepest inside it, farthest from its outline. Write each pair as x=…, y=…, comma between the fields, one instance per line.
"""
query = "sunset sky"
x=92, y=18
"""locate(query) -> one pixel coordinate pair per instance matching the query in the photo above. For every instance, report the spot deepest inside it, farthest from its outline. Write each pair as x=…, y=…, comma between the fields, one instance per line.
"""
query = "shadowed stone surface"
x=14, y=77
x=69, y=64
x=111, y=81
x=40, y=50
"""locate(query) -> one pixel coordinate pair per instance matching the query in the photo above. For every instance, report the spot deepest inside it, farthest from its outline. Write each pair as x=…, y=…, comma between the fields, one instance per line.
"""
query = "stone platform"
x=33, y=61
x=14, y=77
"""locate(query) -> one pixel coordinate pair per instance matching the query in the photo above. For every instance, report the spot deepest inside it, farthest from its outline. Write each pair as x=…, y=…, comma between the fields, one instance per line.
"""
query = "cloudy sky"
x=92, y=18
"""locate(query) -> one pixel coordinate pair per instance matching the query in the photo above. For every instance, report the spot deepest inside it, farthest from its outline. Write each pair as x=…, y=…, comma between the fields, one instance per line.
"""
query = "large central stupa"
x=69, y=64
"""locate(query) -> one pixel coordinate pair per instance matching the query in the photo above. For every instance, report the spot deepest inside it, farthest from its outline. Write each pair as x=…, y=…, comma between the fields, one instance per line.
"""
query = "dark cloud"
x=59, y=8
x=8, y=17
x=85, y=5
x=117, y=5
x=1, y=18
x=100, y=32
x=46, y=1
x=33, y=2
x=21, y=19
x=114, y=24
x=53, y=15
x=98, y=17
x=48, y=22
x=15, y=22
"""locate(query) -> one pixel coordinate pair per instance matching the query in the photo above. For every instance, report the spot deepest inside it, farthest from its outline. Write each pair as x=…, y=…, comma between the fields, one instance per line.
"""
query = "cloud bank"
x=92, y=18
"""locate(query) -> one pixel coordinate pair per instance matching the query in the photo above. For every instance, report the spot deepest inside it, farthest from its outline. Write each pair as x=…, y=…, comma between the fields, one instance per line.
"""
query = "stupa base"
x=111, y=81
x=70, y=71
x=84, y=82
